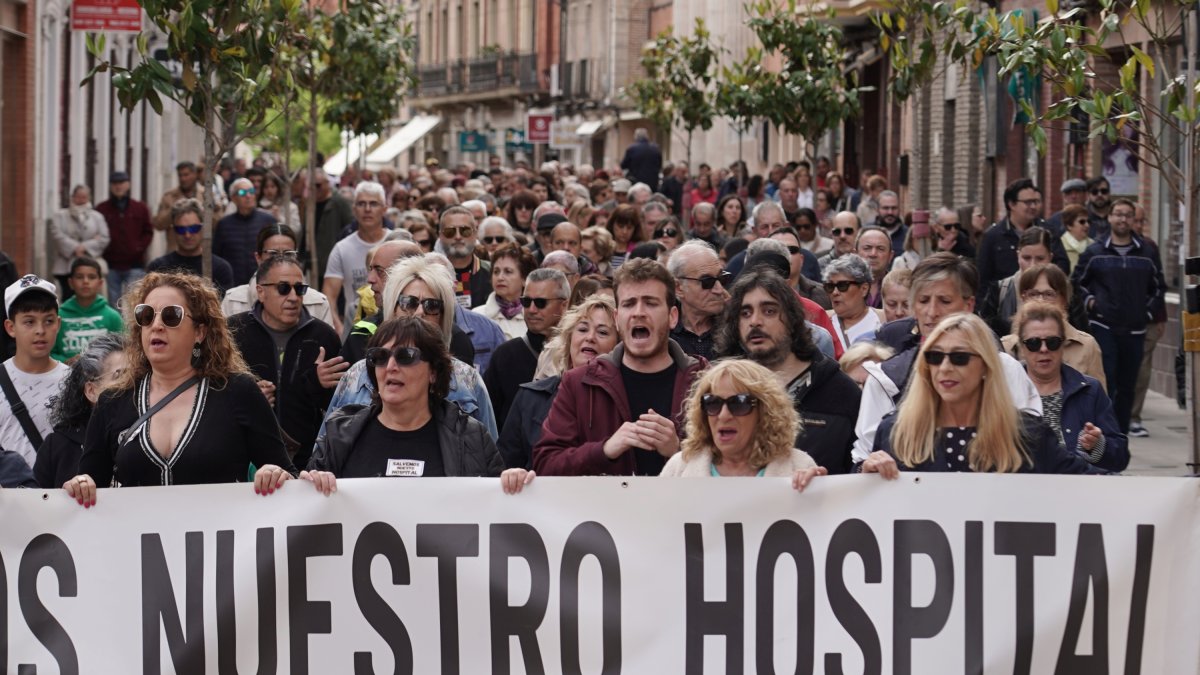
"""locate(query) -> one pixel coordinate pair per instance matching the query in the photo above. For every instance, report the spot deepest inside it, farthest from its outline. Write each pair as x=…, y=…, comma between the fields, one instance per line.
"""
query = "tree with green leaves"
x=739, y=95
x=228, y=55
x=678, y=87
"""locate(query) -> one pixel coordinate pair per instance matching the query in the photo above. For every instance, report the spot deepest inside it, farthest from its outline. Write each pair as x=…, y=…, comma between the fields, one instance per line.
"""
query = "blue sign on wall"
x=472, y=141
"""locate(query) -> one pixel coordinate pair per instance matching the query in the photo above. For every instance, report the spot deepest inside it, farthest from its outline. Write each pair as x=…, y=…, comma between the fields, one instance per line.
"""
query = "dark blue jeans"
x=1122, y=356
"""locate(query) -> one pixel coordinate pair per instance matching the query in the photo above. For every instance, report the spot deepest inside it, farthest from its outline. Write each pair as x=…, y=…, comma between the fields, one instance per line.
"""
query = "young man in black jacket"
x=758, y=325
x=290, y=352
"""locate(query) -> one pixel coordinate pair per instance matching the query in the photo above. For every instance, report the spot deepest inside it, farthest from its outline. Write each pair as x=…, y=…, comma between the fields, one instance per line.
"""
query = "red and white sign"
x=537, y=127
x=117, y=16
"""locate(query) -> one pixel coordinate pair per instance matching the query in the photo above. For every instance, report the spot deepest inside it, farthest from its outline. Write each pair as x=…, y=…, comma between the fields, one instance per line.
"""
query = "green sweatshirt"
x=81, y=325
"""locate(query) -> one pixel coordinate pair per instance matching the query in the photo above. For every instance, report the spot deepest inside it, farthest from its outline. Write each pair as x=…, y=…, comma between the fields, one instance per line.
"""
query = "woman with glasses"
x=1075, y=239
x=740, y=422
x=494, y=233
x=286, y=349
x=510, y=265
x=1075, y=406
x=421, y=232
x=409, y=429
x=805, y=221
x=958, y=414
x=519, y=212
x=186, y=410
x=847, y=281
x=1047, y=283
x=421, y=288
x=275, y=240
x=98, y=367
x=1034, y=247
x=670, y=233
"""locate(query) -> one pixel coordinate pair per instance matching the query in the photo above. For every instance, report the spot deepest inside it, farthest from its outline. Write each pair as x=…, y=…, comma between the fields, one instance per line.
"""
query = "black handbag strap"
x=19, y=409
x=137, y=424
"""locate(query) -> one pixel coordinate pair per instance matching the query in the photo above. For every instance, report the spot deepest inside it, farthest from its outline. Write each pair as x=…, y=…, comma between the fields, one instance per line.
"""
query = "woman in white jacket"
x=78, y=230
x=510, y=265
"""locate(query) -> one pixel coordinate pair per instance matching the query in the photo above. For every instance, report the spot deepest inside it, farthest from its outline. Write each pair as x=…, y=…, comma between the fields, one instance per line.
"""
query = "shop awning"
x=593, y=127
x=402, y=140
x=349, y=153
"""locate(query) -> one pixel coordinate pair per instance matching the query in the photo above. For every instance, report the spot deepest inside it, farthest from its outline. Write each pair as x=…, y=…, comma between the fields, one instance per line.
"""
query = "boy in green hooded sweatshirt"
x=87, y=315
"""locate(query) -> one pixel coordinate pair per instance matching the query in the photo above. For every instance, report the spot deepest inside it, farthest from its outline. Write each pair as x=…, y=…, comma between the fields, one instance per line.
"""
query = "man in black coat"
x=643, y=160
x=758, y=325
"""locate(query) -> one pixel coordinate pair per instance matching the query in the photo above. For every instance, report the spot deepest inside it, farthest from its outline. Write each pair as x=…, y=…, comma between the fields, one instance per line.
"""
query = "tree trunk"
x=740, y=162
x=310, y=196
x=211, y=157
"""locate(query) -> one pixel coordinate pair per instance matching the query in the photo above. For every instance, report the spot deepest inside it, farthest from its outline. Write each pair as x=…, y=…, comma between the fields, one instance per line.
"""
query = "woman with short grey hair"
x=495, y=232
x=847, y=281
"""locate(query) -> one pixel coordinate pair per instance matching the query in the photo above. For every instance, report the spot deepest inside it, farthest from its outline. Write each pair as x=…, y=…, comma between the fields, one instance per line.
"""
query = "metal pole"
x=1189, y=240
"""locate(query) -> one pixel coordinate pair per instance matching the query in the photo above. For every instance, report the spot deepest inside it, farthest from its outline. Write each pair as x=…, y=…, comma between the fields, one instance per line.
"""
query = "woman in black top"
x=97, y=367
x=410, y=429
x=211, y=432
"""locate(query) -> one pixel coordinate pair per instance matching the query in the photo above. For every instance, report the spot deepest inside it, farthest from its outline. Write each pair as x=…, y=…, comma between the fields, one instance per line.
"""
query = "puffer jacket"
x=828, y=409
x=467, y=449
x=590, y=406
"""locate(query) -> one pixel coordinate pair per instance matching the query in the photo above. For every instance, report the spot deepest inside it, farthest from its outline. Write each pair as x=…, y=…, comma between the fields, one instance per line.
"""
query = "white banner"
x=927, y=574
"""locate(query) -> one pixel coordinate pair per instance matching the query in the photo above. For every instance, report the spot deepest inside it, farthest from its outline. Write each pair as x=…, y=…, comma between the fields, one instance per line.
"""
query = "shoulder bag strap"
x=133, y=428
x=19, y=409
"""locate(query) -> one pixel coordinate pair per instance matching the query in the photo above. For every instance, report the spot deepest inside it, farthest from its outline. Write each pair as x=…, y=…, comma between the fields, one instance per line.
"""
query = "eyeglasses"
x=794, y=250
x=368, y=205
x=840, y=286
x=494, y=240
x=377, y=357
x=464, y=231
x=708, y=281
x=242, y=192
x=272, y=252
x=379, y=270
x=935, y=358
x=425, y=243
x=541, y=303
x=1100, y=191
x=1053, y=343
x=171, y=315
x=188, y=229
x=848, y=231
x=666, y=232
x=430, y=306
x=739, y=405
x=1047, y=296
x=284, y=288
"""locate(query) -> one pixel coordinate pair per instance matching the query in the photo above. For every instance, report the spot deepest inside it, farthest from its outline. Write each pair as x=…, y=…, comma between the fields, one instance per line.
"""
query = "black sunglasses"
x=1053, y=343
x=794, y=250
x=377, y=357
x=935, y=358
x=494, y=240
x=843, y=230
x=840, y=286
x=708, y=281
x=171, y=315
x=1100, y=191
x=666, y=232
x=541, y=303
x=409, y=303
x=739, y=405
x=283, y=287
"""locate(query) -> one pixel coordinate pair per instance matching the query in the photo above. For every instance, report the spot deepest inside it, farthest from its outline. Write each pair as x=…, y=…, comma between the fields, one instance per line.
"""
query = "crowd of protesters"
x=568, y=321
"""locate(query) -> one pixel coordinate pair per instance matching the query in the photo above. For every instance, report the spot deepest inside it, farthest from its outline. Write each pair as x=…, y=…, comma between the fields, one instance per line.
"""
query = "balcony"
x=484, y=74
x=481, y=76
x=433, y=80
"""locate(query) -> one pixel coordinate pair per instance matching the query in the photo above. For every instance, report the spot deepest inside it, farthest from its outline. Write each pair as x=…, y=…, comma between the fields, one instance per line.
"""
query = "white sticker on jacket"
x=406, y=468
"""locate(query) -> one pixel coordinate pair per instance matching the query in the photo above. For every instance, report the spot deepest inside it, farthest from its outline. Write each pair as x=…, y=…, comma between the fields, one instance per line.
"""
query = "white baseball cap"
x=26, y=284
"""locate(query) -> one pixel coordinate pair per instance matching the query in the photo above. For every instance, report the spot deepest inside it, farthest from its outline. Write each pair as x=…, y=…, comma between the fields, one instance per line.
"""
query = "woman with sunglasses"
x=1075, y=239
x=847, y=281
x=421, y=288
x=286, y=349
x=494, y=233
x=213, y=424
x=275, y=240
x=586, y=331
x=958, y=414
x=740, y=422
x=409, y=429
x=519, y=212
x=1047, y=283
x=510, y=265
x=421, y=232
x=670, y=233
x=1075, y=406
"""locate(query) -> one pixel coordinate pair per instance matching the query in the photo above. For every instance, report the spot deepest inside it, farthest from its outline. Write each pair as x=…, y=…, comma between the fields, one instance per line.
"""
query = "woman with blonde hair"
x=586, y=331
x=596, y=244
x=958, y=414
x=186, y=410
x=740, y=422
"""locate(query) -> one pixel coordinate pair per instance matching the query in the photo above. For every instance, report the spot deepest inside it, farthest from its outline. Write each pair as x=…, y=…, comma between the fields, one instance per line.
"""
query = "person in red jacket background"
x=130, y=231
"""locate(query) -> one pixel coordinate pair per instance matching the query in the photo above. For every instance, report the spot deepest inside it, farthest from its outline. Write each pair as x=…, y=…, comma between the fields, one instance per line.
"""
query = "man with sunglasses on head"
x=187, y=216
x=235, y=237
x=456, y=239
x=700, y=283
x=292, y=354
x=514, y=362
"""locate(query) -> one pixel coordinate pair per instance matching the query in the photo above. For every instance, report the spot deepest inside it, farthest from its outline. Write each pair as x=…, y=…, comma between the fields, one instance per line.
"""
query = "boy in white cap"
x=30, y=378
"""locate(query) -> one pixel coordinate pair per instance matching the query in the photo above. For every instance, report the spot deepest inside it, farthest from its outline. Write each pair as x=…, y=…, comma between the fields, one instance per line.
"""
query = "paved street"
x=1168, y=449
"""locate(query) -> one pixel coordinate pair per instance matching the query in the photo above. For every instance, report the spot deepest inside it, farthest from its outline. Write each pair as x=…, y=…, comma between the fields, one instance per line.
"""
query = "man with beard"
x=456, y=239
x=1099, y=205
x=889, y=219
x=700, y=283
x=614, y=416
x=514, y=362
x=758, y=325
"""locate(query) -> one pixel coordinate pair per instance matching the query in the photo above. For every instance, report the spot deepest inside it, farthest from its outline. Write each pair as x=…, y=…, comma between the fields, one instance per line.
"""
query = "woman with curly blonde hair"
x=741, y=422
x=186, y=410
